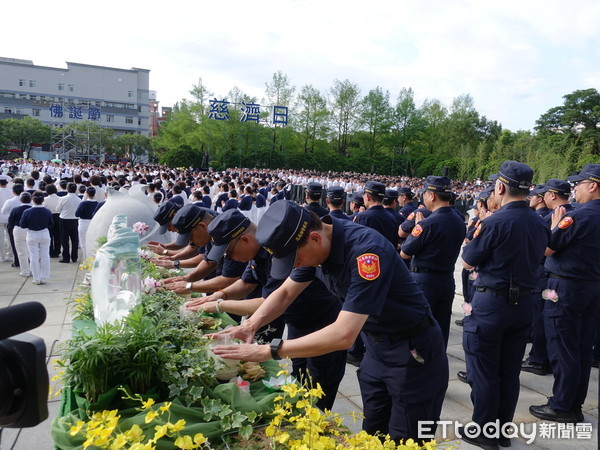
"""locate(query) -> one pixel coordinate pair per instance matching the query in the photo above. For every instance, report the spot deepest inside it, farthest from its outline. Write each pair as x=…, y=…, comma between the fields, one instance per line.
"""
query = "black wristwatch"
x=275, y=346
x=176, y=264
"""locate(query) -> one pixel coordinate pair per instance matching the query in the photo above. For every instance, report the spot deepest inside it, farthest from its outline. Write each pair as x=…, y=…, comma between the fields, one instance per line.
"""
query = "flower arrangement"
x=550, y=294
x=150, y=285
x=140, y=228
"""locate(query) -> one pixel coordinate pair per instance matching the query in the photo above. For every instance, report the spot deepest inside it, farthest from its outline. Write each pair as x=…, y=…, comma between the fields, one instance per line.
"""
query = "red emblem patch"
x=368, y=266
x=477, y=230
x=417, y=231
x=565, y=223
x=411, y=216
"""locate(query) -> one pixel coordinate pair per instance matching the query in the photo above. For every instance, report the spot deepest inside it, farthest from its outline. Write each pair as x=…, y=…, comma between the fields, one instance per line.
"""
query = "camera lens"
x=12, y=385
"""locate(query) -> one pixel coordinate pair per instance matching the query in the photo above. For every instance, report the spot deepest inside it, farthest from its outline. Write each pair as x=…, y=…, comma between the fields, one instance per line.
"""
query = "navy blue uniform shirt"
x=318, y=209
x=36, y=218
x=367, y=272
x=510, y=243
x=407, y=209
x=576, y=241
x=15, y=215
x=86, y=209
x=436, y=241
x=377, y=218
x=207, y=201
x=232, y=203
x=338, y=214
x=408, y=225
x=245, y=203
x=261, y=201
x=398, y=218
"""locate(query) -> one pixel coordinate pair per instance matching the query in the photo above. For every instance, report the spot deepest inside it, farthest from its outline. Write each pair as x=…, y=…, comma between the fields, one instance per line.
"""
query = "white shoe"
x=37, y=282
x=44, y=280
x=26, y=275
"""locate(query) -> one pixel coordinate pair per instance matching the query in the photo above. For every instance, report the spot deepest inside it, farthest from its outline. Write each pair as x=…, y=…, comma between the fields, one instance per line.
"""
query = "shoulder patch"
x=368, y=266
x=477, y=230
x=417, y=230
x=411, y=216
x=565, y=223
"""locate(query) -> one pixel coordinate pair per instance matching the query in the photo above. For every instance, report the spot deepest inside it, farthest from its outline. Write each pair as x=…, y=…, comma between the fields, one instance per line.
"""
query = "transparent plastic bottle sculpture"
x=118, y=222
x=117, y=277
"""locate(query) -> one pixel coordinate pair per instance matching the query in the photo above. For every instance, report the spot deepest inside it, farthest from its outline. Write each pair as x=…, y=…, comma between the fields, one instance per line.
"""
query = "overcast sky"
x=515, y=58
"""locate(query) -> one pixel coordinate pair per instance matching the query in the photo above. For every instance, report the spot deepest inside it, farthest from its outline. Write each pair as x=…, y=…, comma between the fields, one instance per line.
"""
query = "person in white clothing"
x=5, y=194
x=19, y=234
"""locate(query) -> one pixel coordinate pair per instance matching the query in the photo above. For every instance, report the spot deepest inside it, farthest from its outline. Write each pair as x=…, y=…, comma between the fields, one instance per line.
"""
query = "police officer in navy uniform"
x=434, y=245
x=572, y=298
x=390, y=203
x=356, y=205
x=336, y=197
x=507, y=251
x=536, y=200
x=556, y=193
x=375, y=216
x=234, y=235
x=404, y=374
x=406, y=201
x=314, y=191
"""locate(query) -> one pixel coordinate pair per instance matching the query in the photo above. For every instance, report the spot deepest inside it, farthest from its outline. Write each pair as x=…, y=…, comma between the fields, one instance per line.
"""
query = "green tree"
x=312, y=116
x=344, y=107
x=21, y=133
x=135, y=146
x=408, y=125
x=376, y=117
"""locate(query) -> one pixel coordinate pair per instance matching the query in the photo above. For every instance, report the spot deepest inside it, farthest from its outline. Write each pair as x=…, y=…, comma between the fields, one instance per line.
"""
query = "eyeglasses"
x=228, y=251
x=583, y=182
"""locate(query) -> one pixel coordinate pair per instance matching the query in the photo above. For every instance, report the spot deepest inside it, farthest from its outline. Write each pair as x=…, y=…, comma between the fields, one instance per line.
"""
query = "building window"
x=7, y=110
x=139, y=121
x=22, y=82
x=23, y=96
x=110, y=118
x=18, y=111
x=130, y=94
x=31, y=83
x=35, y=113
x=33, y=97
x=61, y=87
x=71, y=88
x=128, y=119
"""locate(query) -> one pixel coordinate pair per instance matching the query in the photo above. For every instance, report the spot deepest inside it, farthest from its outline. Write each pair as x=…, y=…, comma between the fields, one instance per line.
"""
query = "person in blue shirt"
x=314, y=191
x=507, y=251
x=235, y=237
x=38, y=222
x=336, y=197
x=406, y=201
x=390, y=203
x=375, y=216
x=404, y=373
x=85, y=212
x=536, y=200
x=232, y=202
x=572, y=298
x=434, y=246
x=19, y=234
x=247, y=199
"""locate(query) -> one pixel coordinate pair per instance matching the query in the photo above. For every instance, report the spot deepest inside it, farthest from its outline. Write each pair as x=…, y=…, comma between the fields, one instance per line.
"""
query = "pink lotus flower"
x=473, y=275
x=140, y=228
x=150, y=285
x=144, y=254
x=550, y=294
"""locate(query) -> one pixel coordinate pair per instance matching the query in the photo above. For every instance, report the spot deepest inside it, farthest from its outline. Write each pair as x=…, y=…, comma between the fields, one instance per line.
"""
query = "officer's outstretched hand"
x=173, y=280
x=204, y=306
x=163, y=263
x=179, y=287
x=242, y=332
x=244, y=352
x=155, y=247
x=193, y=305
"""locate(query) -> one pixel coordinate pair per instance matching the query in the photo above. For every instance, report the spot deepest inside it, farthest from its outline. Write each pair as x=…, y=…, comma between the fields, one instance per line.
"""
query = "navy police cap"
x=336, y=193
x=404, y=190
x=391, y=194
x=538, y=189
x=314, y=188
x=186, y=219
x=224, y=229
x=165, y=214
x=514, y=174
x=557, y=186
x=281, y=229
x=375, y=188
x=590, y=172
x=437, y=184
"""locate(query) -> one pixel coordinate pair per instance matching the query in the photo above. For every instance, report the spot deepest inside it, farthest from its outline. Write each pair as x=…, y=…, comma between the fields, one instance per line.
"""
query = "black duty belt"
x=425, y=270
x=417, y=330
x=560, y=277
x=504, y=292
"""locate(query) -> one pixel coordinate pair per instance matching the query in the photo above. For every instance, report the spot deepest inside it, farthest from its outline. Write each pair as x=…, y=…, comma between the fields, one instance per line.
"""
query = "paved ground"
x=457, y=406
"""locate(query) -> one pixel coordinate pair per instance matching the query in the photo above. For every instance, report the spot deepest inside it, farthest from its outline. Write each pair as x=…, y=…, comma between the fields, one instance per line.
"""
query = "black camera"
x=23, y=373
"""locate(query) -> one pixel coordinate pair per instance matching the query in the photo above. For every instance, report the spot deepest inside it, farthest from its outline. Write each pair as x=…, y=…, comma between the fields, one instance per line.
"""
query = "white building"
x=112, y=98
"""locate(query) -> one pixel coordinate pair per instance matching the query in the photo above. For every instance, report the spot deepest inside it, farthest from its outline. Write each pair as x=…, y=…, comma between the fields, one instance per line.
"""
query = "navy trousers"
x=403, y=382
x=327, y=370
x=538, y=353
x=494, y=341
x=69, y=234
x=439, y=292
x=570, y=327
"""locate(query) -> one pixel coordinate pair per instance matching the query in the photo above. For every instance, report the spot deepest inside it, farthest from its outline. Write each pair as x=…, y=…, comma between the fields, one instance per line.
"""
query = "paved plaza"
x=63, y=285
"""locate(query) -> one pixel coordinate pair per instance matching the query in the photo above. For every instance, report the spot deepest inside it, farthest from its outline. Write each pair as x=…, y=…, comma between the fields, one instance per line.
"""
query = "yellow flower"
x=76, y=428
x=148, y=403
x=283, y=372
x=165, y=407
x=134, y=434
x=150, y=416
x=161, y=430
x=184, y=442
x=199, y=439
x=283, y=437
x=270, y=430
x=179, y=425
x=290, y=389
x=120, y=441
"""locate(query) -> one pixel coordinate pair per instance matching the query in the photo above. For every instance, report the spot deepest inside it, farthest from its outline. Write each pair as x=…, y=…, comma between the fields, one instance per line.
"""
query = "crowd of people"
x=360, y=268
